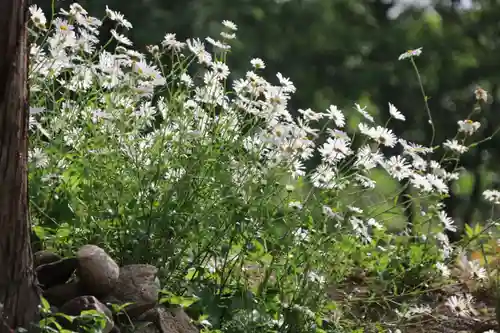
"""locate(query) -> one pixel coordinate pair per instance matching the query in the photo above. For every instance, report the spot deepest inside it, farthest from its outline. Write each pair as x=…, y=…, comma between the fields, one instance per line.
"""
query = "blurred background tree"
x=345, y=51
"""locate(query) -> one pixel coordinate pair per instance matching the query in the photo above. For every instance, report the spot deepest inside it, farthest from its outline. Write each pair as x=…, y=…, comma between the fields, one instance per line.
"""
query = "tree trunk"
x=19, y=294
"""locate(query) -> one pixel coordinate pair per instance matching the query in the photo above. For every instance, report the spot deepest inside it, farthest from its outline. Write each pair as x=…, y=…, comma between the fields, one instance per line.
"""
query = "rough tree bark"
x=19, y=294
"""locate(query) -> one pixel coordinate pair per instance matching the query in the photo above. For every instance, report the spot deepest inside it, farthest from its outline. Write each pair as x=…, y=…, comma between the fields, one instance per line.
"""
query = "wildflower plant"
x=166, y=158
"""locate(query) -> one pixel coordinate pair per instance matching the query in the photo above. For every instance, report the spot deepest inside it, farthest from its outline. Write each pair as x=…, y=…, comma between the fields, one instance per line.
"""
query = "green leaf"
x=179, y=300
x=45, y=304
x=67, y=317
x=266, y=259
x=190, y=274
x=119, y=308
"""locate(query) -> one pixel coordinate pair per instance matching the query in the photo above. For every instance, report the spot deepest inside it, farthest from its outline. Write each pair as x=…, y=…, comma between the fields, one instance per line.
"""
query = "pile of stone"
x=92, y=280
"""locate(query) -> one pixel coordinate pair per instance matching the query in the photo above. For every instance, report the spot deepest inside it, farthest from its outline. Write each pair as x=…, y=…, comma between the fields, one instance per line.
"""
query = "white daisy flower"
x=492, y=196
x=398, y=167
x=230, y=25
x=258, y=63
x=395, y=113
x=336, y=115
x=455, y=146
x=363, y=112
x=445, y=271
x=410, y=54
x=384, y=136
x=121, y=38
x=37, y=16
x=459, y=305
x=448, y=222
x=468, y=126
x=118, y=17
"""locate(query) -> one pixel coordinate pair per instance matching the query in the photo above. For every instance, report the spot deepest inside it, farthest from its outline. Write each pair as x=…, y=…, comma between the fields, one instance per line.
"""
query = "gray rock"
x=138, y=284
x=98, y=272
x=170, y=320
x=44, y=257
x=145, y=327
x=60, y=294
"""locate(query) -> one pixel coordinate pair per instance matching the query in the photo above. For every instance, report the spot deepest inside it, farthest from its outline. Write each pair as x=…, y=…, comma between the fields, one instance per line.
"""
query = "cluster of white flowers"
x=114, y=91
x=121, y=84
x=492, y=196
